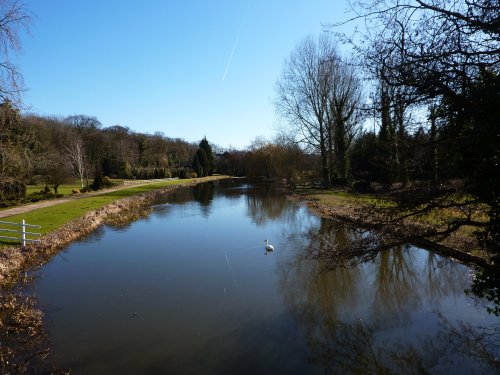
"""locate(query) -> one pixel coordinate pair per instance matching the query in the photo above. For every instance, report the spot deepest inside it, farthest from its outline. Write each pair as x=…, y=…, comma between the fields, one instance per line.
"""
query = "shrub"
x=184, y=173
x=7, y=203
x=193, y=175
x=97, y=184
x=125, y=170
x=11, y=189
x=163, y=173
x=106, y=181
x=38, y=196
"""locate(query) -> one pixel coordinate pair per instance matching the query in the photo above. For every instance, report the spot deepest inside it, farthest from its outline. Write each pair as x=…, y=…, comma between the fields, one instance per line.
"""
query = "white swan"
x=269, y=247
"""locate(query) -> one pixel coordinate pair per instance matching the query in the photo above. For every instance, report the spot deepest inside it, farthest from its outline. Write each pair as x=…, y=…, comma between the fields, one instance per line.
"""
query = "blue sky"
x=186, y=68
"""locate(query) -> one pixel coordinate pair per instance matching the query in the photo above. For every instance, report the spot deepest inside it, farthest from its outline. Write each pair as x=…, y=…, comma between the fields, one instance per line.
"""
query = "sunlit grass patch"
x=54, y=217
x=336, y=197
x=65, y=189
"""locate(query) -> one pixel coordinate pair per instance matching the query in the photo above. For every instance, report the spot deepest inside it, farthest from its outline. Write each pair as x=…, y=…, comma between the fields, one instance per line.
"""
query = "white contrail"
x=232, y=53
x=230, y=268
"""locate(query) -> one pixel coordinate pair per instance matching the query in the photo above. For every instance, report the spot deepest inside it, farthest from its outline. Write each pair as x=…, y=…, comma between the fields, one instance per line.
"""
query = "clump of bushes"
x=106, y=182
x=41, y=195
x=148, y=173
x=97, y=184
x=100, y=182
x=184, y=173
x=12, y=189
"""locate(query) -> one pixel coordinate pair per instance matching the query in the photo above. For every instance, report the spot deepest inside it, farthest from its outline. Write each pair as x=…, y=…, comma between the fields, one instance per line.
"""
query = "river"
x=191, y=289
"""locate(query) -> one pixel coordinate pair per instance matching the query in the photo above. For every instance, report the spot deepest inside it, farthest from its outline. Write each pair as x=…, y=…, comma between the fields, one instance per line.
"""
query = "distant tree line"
x=53, y=151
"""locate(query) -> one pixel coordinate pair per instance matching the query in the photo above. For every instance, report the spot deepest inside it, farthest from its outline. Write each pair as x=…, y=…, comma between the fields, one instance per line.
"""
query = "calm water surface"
x=190, y=289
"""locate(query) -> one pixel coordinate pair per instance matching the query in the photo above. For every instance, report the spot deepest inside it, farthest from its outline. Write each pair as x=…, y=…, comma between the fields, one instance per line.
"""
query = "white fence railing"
x=23, y=239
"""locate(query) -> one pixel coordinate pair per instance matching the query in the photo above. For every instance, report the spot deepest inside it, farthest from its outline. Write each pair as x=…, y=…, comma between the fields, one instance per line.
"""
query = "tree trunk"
x=324, y=159
x=434, y=149
x=331, y=161
x=402, y=163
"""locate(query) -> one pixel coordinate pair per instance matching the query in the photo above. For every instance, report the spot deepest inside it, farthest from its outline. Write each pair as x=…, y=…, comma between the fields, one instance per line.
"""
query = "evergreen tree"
x=203, y=159
x=97, y=184
x=205, y=146
x=197, y=166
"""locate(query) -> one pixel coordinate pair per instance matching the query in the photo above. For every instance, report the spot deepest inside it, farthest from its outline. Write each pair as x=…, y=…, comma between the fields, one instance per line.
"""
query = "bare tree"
x=345, y=114
x=76, y=157
x=55, y=170
x=303, y=92
x=443, y=53
x=14, y=18
x=436, y=47
x=83, y=123
x=319, y=95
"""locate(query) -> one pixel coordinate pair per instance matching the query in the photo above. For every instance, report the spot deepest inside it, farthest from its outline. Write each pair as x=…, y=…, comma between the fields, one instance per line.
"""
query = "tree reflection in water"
x=353, y=348
x=204, y=195
x=263, y=205
x=377, y=317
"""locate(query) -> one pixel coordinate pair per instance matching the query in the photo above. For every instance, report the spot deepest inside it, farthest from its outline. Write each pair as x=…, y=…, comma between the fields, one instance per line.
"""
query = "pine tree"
x=203, y=159
x=205, y=146
x=197, y=166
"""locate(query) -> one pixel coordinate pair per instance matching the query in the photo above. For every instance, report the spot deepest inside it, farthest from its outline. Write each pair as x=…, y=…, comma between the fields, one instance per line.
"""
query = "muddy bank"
x=24, y=346
x=356, y=214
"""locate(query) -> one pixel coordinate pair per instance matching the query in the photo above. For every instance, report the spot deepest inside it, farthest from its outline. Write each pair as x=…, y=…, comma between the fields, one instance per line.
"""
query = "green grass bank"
x=54, y=217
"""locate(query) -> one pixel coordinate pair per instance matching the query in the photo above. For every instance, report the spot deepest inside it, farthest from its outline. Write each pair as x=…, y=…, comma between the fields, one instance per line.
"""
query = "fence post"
x=24, y=233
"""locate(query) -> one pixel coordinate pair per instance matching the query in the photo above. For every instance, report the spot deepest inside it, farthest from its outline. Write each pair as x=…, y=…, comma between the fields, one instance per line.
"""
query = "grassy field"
x=54, y=217
x=66, y=189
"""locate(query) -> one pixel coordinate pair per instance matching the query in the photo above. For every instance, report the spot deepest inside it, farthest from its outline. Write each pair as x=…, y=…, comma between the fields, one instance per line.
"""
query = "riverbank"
x=361, y=210
x=68, y=197
x=23, y=343
x=63, y=223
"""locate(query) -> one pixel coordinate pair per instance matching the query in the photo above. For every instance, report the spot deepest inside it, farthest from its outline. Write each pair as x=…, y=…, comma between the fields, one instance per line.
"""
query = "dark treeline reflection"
x=232, y=189
x=179, y=196
x=355, y=348
x=383, y=316
x=201, y=193
x=204, y=195
x=264, y=203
